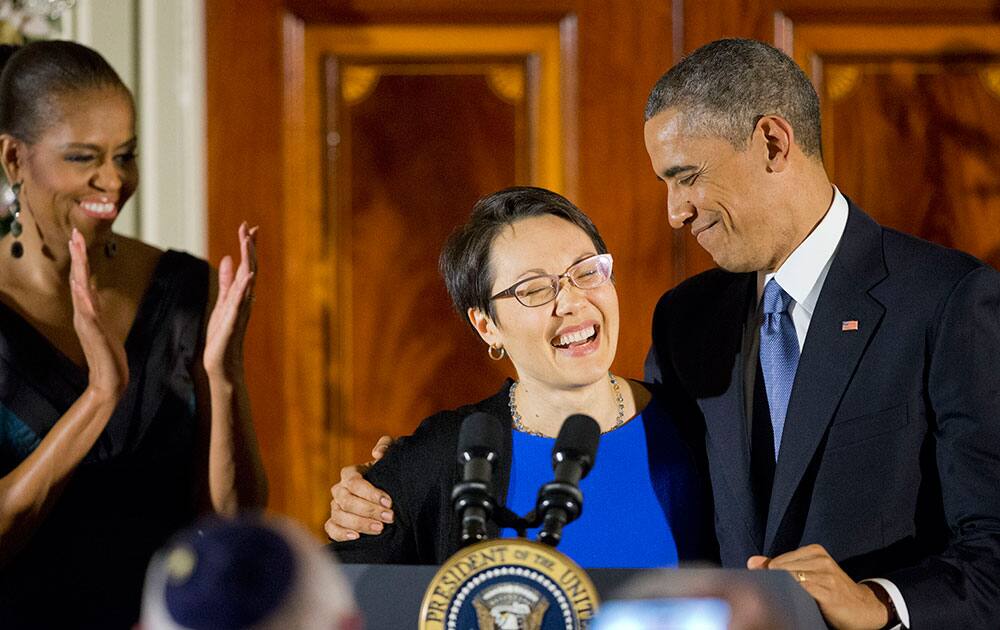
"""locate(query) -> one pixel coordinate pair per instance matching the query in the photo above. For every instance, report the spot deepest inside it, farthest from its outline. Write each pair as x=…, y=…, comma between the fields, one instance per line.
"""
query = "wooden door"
x=402, y=128
x=357, y=133
x=373, y=128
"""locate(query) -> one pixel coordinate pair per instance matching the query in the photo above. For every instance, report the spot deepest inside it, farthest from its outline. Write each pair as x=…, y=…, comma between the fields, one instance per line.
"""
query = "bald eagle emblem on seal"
x=510, y=606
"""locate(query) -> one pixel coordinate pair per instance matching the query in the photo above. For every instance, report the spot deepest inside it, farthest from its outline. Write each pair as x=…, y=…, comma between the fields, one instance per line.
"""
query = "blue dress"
x=641, y=491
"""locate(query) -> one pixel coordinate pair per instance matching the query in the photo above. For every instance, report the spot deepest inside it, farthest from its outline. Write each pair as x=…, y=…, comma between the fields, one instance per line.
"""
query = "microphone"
x=479, y=443
x=560, y=500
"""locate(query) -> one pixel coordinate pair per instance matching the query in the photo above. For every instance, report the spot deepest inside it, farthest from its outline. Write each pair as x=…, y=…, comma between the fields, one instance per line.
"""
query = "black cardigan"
x=425, y=530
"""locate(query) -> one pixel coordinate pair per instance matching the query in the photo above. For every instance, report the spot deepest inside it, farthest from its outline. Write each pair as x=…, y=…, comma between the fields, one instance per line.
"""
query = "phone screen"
x=677, y=613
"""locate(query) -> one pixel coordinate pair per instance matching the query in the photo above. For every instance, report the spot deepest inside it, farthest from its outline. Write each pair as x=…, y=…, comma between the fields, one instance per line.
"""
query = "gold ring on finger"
x=800, y=576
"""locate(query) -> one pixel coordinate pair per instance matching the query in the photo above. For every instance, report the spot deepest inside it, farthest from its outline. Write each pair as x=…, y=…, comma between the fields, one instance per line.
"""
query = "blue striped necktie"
x=779, y=355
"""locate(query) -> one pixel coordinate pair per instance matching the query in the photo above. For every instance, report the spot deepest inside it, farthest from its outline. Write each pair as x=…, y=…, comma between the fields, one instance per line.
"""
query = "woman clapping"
x=123, y=412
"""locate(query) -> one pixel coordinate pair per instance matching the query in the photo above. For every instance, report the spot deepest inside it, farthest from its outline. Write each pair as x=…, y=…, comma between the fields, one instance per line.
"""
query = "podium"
x=390, y=595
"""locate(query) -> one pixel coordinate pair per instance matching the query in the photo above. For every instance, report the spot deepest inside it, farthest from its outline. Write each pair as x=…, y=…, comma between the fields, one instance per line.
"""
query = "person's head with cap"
x=247, y=573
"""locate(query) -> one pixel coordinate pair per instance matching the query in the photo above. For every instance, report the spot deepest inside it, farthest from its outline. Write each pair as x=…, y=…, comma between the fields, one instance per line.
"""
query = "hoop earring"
x=16, y=248
x=496, y=357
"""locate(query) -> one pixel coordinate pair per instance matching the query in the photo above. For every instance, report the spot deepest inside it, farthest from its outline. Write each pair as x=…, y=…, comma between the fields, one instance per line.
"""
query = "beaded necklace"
x=516, y=416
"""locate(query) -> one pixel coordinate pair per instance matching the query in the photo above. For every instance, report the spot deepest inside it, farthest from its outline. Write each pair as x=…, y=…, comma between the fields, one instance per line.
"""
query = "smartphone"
x=675, y=613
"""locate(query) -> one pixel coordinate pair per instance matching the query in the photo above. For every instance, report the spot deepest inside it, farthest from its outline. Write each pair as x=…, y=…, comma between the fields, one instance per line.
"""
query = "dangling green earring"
x=16, y=248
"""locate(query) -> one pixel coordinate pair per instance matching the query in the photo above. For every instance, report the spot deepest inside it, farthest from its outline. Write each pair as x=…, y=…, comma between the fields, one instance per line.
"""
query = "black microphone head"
x=578, y=438
x=481, y=436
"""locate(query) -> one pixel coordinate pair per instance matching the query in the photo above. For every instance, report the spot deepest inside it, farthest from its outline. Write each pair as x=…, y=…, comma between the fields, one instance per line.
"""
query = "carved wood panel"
x=423, y=147
x=266, y=138
x=910, y=128
x=394, y=132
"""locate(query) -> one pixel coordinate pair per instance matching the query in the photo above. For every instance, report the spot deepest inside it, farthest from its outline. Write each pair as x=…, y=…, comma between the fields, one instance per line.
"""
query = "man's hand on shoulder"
x=357, y=507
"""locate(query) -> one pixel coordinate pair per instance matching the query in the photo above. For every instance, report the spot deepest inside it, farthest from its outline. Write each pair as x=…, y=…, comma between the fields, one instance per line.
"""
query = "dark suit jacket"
x=890, y=456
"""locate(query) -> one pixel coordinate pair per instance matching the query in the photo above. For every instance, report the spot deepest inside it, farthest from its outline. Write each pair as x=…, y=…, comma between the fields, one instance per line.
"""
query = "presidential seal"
x=508, y=584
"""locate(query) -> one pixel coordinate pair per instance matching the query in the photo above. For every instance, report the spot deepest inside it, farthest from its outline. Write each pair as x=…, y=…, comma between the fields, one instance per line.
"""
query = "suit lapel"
x=829, y=358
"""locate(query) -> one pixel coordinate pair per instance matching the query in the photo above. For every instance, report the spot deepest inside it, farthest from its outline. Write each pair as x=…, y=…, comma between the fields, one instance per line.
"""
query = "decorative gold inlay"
x=840, y=80
x=358, y=82
x=990, y=77
x=507, y=82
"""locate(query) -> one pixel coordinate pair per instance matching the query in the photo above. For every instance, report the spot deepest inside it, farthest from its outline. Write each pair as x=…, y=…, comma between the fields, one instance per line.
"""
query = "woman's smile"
x=578, y=341
x=99, y=207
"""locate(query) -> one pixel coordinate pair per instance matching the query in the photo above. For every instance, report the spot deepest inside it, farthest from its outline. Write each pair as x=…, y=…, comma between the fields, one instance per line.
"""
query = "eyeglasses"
x=589, y=273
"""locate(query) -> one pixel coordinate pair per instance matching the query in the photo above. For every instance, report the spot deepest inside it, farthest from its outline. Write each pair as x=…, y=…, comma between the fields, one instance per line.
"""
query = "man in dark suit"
x=843, y=374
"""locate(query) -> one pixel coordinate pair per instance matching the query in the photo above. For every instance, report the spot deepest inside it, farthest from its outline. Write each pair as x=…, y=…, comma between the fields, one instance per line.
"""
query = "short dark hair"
x=725, y=87
x=465, y=260
x=35, y=74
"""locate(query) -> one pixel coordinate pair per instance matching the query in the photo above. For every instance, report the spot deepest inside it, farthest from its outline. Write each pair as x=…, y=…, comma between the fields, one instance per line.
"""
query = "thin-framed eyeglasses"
x=588, y=273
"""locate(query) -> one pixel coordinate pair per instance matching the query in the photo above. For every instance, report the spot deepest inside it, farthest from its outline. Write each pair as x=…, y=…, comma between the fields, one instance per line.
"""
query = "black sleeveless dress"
x=83, y=567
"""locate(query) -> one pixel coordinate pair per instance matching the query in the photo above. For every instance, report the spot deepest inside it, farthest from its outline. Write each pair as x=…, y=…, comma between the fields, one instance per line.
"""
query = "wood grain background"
x=352, y=334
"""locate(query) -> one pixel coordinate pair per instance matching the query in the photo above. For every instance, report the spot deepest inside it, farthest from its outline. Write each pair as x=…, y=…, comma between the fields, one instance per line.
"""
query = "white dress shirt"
x=804, y=271
x=802, y=276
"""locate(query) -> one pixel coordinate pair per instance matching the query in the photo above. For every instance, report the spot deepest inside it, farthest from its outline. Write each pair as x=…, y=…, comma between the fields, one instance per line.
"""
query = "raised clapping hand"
x=358, y=506
x=845, y=604
x=105, y=355
x=223, y=356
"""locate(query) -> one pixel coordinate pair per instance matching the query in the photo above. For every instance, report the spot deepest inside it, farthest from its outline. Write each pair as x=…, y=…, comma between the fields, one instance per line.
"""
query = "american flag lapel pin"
x=850, y=324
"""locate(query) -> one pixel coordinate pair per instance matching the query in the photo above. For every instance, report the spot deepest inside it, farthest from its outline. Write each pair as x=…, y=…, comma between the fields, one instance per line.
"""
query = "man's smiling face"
x=720, y=192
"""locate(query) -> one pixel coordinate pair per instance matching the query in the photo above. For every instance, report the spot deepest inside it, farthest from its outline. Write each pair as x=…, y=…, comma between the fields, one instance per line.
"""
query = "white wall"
x=157, y=46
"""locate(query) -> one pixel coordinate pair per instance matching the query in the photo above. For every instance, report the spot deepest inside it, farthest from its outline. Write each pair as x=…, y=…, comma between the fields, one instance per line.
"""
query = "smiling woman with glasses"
x=533, y=277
